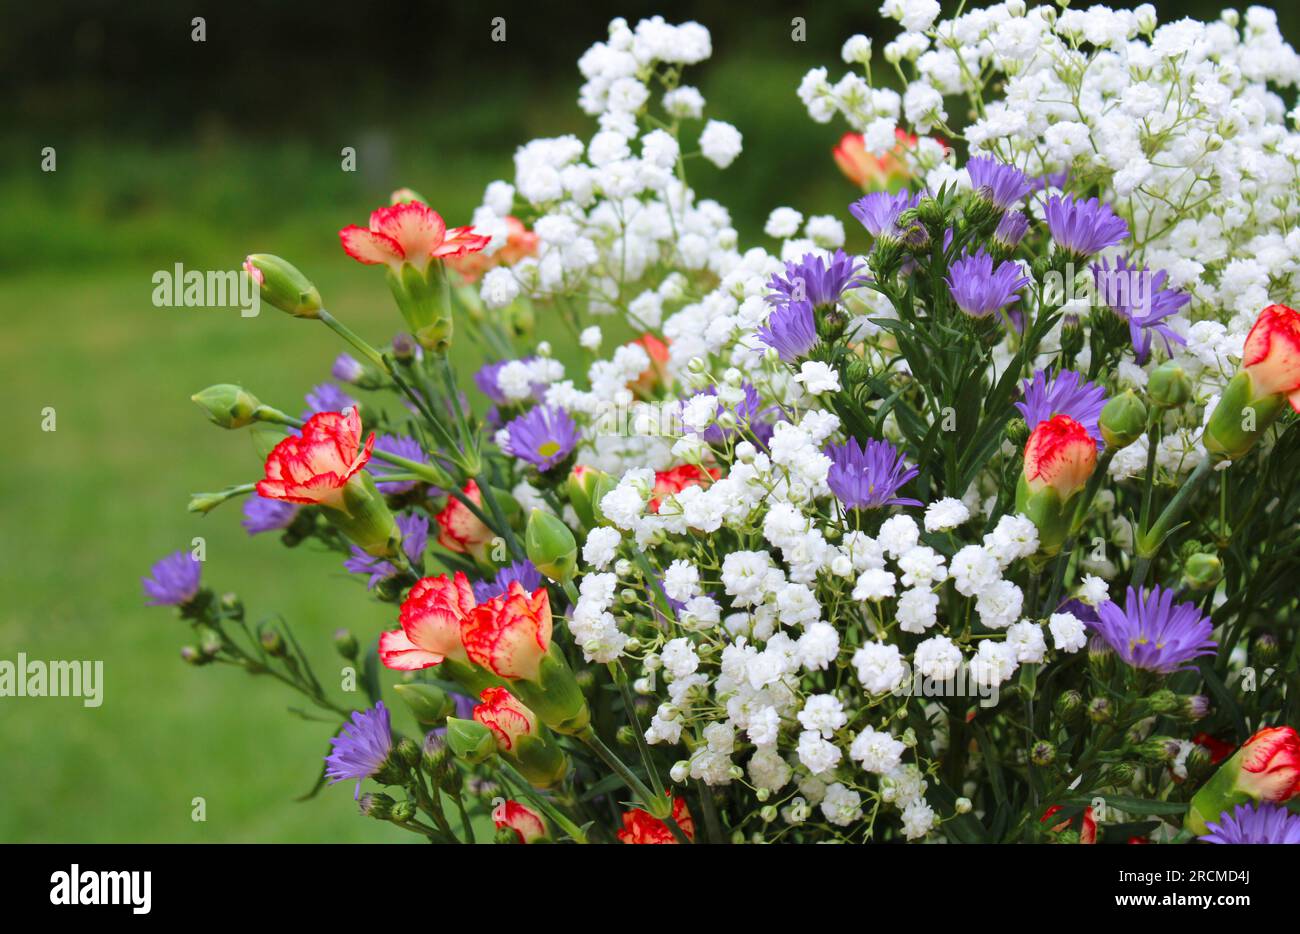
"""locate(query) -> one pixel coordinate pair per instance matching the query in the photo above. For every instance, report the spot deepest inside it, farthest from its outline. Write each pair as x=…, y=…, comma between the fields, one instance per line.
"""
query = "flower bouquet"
x=984, y=534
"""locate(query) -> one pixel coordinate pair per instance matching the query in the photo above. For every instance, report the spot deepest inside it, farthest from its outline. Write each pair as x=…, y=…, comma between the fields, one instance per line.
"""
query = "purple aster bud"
x=347, y=369
x=1011, y=230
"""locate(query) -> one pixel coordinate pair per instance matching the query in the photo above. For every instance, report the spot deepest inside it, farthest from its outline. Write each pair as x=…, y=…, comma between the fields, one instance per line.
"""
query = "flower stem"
x=362, y=346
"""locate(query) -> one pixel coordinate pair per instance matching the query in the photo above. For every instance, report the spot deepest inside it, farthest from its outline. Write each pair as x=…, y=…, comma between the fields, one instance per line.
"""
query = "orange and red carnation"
x=461, y=531
x=1270, y=765
x=1061, y=454
x=520, y=243
x=524, y=821
x=642, y=827
x=869, y=171
x=656, y=376
x=1272, y=353
x=503, y=714
x=408, y=233
x=510, y=634
x=671, y=482
x=431, y=618
x=312, y=468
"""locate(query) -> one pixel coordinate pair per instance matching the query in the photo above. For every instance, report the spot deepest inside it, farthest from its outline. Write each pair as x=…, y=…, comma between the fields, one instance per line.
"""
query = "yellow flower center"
x=549, y=449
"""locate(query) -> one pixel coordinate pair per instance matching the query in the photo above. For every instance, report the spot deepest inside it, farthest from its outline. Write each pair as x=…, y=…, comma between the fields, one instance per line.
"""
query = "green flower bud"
x=551, y=546
x=272, y=642
x=1163, y=701
x=1169, y=385
x=1069, y=706
x=231, y=605
x=1159, y=750
x=190, y=655
x=1017, y=432
x=407, y=752
x=470, y=740
x=377, y=805
x=283, y=286
x=345, y=643
x=1194, y=706
x=1202, y=571
x=1123, y=420
x=227, y=405
x=582, y=484
x=1240, y=419
x=1042, y=754
x=402, y=812
x=1121, y=773
x=429, y=703
x=1198, y=761
x=1265, y=649
x=1100, y=710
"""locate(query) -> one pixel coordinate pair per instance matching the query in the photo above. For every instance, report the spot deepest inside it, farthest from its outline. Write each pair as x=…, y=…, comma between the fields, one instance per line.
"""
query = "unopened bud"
x=1123, y=420
x=1169, y=385
x=227, y=405
x=282, y=285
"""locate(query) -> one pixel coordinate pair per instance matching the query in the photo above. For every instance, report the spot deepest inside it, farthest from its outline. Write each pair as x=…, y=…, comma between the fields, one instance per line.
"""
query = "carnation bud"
x=429, y=703
x=1169, y=386
x=282, y=285
x=1202, y=571
x=1265, y=769
x=345, y=643
x=586, y=485
x=551, y=546
x=1123, y=420
x=470, y=740
x=227, y=405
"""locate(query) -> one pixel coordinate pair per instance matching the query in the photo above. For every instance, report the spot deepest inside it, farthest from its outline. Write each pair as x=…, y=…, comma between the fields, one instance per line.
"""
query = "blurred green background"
x=171, y=151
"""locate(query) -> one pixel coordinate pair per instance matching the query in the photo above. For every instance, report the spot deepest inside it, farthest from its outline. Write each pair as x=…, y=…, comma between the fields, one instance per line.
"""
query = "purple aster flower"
x=1083, y=612
x=1000, y=184
x=979, y=289
x=790, y=331
x=1153, y=633
x=347, y=368
x=815, y=281
x=402, y=446
x=1066, y=393
x=362, y=748
x=175, y=580
x=1084, y=227
x=267, y=515
x=522, y=571
x=542, y=436
x=415, y=537
x=868, y=478
x=486, y=381
x=1139, y=297
x=878, y=212
x=1011, y=229
x=327, y=398
x=1254, y=823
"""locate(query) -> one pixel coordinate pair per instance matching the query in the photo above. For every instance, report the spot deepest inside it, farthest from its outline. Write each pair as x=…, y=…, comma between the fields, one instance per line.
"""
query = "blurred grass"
x=88, y=507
